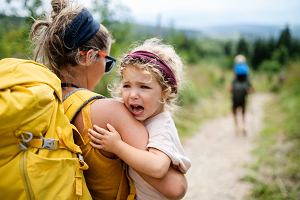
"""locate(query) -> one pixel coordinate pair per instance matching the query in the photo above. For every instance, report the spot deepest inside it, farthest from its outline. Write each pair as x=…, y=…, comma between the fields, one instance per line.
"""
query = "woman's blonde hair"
x=167, y=54
x=48, y=37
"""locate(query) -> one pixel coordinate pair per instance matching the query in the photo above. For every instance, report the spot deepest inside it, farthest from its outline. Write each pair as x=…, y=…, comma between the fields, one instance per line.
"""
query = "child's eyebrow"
x=138, y=82
x=144, y=82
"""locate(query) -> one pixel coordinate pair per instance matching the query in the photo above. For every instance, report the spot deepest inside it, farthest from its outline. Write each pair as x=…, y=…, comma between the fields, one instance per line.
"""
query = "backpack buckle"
x=50, y=144
x=22, y=146
x=80, y=157
x=26, y=137
x=83, y=165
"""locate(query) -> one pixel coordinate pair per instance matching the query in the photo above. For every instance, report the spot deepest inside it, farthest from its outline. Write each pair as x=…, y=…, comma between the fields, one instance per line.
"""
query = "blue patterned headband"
x=81, y=29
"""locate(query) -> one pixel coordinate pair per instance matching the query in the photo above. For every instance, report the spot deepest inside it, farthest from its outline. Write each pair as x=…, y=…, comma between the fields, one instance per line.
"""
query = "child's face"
x=141, y=93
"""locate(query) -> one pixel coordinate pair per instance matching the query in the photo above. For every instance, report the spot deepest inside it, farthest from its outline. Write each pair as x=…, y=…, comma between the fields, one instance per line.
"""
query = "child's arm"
x=153, y=163
x=177, y=190
x=174, y=184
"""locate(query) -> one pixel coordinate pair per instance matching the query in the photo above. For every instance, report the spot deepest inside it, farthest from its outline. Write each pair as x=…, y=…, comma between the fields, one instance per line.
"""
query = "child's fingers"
x=97, y=146
x=100, y=130
x=96, y=137
x=110, y=127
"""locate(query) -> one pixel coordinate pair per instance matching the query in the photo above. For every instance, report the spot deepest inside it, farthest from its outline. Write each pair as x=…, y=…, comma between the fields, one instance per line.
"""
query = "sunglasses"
x=109, y=61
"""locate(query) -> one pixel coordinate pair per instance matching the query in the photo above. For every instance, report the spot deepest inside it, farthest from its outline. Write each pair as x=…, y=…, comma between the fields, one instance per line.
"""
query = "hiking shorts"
x=239, y=104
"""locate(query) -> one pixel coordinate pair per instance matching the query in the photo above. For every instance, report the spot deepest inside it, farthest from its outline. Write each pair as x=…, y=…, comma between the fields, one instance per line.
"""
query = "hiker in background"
x=240, y=88
x=150, y=81
x=76, y=47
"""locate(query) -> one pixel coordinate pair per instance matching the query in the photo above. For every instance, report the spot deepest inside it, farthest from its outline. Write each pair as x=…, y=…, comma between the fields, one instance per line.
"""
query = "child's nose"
x=134, y=93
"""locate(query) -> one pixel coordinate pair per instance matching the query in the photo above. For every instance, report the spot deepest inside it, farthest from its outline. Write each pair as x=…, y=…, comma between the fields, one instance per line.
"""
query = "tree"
x=285, y=39
x=33, y=7
x=227, y=48
x=102, y=8
x=261, y=52
x=242, y=47
x=121, y=30
x=281, y=55
x=295, y=48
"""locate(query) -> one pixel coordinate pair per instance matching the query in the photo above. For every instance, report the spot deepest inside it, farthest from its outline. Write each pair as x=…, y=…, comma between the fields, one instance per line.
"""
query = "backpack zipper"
x=24, y=173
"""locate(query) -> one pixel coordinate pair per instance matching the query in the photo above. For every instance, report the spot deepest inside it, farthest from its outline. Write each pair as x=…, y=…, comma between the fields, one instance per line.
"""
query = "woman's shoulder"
x=110, y=111
x=107, y=102
x=114, y=112
x=108, y=106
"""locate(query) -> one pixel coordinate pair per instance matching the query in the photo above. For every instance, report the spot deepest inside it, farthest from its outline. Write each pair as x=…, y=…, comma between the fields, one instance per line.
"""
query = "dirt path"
x=219, y=156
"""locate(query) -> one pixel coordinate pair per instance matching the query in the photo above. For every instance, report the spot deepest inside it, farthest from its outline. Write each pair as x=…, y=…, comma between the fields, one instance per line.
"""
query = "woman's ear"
x=90, y=57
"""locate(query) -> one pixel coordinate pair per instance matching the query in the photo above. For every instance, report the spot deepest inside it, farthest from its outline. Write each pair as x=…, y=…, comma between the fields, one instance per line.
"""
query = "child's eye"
x=126, y=86
x=145, y=87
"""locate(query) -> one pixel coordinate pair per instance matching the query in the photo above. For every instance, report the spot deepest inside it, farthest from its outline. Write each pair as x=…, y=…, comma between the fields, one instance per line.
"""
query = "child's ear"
x=164, y=96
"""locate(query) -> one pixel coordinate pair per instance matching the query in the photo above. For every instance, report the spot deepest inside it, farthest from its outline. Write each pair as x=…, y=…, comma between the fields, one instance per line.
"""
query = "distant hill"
x=248, y=31
x=155, y=30
x=218, y=32
x=234, y=32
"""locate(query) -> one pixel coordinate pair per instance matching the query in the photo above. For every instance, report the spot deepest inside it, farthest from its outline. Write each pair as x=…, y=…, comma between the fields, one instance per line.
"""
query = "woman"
x=73, y=45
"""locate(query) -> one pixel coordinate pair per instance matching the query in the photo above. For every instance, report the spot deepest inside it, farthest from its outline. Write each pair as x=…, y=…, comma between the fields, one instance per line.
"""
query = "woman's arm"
x=153, y=162
x=134, y=133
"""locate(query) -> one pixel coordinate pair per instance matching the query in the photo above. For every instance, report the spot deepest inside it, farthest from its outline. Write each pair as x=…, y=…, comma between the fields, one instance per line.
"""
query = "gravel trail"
x=219, y=156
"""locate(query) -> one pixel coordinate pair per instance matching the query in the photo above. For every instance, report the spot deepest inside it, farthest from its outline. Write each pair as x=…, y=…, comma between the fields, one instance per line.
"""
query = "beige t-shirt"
x=164, y=137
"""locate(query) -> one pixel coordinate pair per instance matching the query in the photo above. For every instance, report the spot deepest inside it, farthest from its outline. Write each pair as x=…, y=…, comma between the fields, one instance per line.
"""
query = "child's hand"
x=104, y=139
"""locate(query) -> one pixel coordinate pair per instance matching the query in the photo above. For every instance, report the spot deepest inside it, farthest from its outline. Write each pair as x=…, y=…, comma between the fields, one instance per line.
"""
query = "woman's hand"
x=103, y=139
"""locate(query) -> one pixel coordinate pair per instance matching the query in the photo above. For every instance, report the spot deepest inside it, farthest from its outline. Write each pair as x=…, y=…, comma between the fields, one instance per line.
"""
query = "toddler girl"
x=150, y=82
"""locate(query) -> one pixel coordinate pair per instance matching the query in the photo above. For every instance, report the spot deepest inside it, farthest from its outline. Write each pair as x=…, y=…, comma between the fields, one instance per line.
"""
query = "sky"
x=196, y=14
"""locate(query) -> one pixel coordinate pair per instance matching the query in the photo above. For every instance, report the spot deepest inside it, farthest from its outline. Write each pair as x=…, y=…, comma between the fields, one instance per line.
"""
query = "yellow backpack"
x=38, y=156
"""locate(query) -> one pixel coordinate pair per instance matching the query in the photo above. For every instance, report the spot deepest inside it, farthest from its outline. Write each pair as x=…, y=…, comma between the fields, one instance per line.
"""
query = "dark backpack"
x=240, y=90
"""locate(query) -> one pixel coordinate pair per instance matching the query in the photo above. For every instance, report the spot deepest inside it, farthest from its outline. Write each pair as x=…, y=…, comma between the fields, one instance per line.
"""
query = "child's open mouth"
x=137, y=109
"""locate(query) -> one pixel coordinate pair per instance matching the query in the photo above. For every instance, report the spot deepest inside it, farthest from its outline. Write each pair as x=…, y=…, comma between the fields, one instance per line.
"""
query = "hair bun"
x=58, y=5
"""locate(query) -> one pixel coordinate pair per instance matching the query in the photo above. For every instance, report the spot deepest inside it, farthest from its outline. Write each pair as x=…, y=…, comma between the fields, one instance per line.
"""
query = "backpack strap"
x=27, y=139
x=76, y=100
x=132, y=191
x=79, y=100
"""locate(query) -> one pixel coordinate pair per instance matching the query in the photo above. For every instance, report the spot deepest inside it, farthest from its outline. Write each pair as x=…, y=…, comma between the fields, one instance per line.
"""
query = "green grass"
x=189, y=119
x=276, y=172
x=205, y=96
